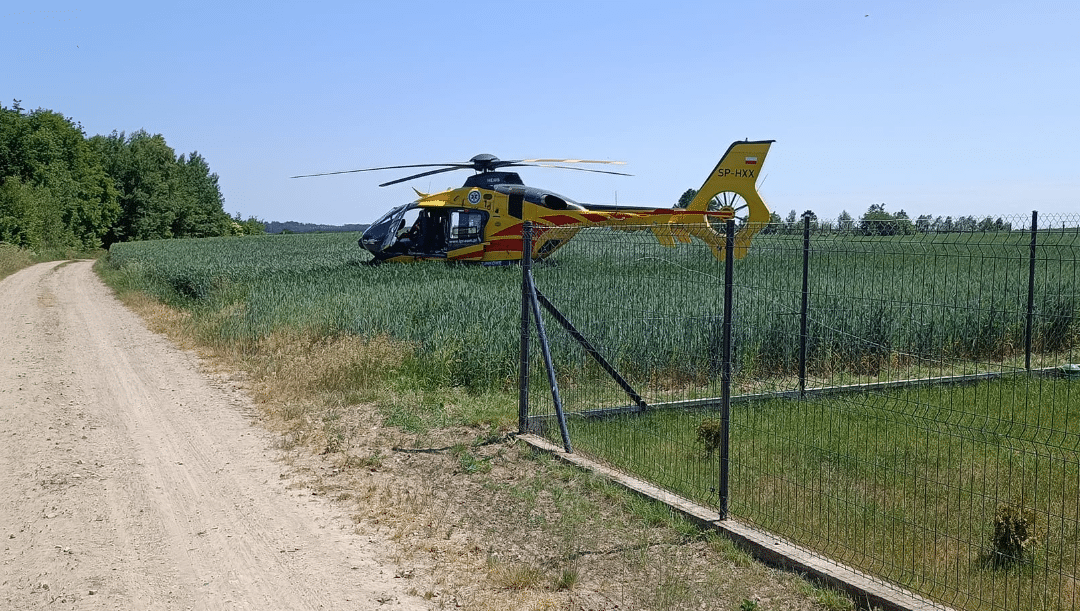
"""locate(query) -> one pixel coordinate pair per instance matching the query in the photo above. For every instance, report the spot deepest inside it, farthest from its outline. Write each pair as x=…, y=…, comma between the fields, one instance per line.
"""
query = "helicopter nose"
x=370, y=243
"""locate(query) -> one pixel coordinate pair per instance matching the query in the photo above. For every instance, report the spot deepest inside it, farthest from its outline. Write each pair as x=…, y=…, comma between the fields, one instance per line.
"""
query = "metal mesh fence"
x=903, y=404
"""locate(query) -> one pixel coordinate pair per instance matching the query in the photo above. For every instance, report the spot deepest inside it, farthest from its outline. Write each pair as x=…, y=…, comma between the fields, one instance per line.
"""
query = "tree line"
x=298, y=227
x=60, y=189
x=875, y=221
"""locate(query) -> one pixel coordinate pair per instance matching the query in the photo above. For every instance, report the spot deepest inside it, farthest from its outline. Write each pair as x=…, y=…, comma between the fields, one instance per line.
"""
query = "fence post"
x=1029, y=327
x=549, y=364
x=523, y=366
x=804, y=308
x=725, y=367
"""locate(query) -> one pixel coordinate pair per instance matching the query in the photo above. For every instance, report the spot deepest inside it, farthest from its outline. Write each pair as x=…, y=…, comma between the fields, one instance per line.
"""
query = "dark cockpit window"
x=553, y=202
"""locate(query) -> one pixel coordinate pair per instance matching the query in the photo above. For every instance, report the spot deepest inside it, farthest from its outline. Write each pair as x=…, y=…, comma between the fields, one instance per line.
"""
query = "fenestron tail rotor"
x=731, y=202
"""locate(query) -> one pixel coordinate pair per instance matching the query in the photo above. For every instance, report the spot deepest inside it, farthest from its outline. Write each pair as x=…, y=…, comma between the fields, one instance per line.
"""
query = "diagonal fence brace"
x=589, y=349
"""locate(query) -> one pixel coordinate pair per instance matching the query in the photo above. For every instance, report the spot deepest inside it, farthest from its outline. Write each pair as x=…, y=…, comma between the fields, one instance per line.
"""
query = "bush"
x=1014, y=534
x=710, y=434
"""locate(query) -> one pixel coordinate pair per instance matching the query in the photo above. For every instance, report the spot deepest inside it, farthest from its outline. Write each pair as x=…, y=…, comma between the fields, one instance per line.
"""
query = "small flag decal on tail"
x=751, y=161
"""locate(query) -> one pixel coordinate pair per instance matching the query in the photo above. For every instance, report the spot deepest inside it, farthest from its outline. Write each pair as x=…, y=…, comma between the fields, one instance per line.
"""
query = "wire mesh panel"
x=653, y=313
x=904, y=403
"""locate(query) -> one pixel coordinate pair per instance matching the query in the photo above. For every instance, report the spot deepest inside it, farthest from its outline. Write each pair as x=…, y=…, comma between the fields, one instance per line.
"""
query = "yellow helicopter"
x=482, y=220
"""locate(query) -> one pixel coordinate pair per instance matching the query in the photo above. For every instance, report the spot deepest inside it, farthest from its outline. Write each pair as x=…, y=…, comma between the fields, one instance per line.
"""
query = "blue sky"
x=944, y=108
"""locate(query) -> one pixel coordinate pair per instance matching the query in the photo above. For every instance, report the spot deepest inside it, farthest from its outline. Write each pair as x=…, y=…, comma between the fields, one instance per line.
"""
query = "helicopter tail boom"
x=729, y=192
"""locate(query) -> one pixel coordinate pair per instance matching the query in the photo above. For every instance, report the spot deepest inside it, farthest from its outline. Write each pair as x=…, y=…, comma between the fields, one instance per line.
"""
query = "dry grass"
x=12, y=259
x=477, y=520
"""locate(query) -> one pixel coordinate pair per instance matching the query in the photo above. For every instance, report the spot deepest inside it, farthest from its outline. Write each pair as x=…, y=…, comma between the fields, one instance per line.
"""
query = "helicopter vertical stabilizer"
x=732, y=188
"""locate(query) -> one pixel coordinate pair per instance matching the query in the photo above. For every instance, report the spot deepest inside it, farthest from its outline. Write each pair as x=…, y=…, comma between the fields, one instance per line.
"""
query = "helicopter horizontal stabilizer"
x=669, y=236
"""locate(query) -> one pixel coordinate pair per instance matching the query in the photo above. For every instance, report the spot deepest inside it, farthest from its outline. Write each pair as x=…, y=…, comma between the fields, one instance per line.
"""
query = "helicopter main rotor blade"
x=446, y=166
x=479, y=163
x=563, y=167
x=422, y=174
x=570, y=161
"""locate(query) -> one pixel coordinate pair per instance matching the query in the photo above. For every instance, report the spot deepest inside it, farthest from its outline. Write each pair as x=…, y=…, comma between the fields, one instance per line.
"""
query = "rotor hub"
x=485, y=162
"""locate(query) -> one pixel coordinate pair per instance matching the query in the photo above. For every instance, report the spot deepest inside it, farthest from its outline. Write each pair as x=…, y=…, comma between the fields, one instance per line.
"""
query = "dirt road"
x=129, y=479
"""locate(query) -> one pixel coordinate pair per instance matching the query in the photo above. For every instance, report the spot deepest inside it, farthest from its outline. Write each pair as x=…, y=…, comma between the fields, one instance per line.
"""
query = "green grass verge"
x=14, y=258
x=906, y=484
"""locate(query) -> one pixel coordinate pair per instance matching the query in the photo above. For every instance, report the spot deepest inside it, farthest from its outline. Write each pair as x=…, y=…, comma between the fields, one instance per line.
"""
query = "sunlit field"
x=465, y=320
x=904, y=484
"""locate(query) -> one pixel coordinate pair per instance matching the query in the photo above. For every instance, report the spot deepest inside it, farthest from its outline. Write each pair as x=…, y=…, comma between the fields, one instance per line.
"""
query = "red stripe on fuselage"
x=511, y=245
x=561, y=219
x=509, y=231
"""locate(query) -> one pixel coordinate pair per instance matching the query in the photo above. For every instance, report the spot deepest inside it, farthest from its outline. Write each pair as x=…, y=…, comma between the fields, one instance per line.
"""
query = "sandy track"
x=131, y=480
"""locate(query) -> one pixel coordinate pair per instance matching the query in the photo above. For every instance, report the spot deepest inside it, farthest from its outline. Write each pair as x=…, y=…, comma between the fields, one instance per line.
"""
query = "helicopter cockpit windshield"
x=382, y=234
x=430, y=232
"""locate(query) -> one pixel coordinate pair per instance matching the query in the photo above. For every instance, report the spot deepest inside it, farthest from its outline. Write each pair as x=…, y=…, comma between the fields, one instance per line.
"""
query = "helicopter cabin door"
x=466, y=234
